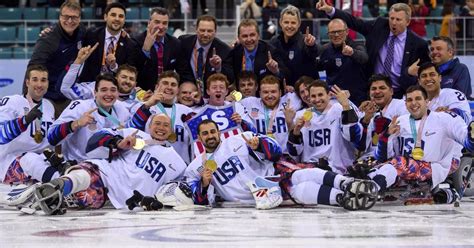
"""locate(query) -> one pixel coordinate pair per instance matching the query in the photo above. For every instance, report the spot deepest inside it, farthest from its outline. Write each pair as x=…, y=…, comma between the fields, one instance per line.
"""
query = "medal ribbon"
x=417, y=135
x=110, y=117
x=270, y=119
x=173, y=112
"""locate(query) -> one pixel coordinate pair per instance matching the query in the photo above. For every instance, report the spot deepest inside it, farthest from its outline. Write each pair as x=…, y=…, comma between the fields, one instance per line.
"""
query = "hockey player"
x=446, y=99
x=272, y=114
x=163, y=101
x=126, y=77
x=141, y=162
x=217, y=89
x=378, y=112
x=325, y=130
x=425, y=145
x=82, y=118
x=243, y=159
x=24, y=123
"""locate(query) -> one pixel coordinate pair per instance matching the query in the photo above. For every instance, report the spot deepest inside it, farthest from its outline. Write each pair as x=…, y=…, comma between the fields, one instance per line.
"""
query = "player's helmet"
x=175, y=194
x=49, y=197
x=359, y=195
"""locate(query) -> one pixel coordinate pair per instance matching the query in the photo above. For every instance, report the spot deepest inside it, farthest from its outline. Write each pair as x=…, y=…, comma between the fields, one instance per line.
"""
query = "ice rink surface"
x=386, y=225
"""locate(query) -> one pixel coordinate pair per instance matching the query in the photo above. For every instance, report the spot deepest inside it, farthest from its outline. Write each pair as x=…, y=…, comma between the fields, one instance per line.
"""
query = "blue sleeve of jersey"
x=101, y=138
x=461, y=113
x=11, y=129
x=140, y=118
x=269, y=148
x=355, y=132
x=361, y=143
x=246, y=126
x=199, y=194
x=382, y=149
x=59, y=132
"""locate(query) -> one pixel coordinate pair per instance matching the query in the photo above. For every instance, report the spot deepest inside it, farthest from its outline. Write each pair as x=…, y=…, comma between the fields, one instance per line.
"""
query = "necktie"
x=249, y=63
x=159, y=56
x=387, y=64
x=200, y=64
x=111, y=46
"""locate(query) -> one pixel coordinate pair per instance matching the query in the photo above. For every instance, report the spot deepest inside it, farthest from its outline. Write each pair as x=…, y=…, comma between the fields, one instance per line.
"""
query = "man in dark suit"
x=159, y=50
x=253, y=54
x=202, y=53
x=392, y=48
x=115, y=47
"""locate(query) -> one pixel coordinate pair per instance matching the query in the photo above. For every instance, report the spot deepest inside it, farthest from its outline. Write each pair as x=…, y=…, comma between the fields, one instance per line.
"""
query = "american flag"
x=208, y=113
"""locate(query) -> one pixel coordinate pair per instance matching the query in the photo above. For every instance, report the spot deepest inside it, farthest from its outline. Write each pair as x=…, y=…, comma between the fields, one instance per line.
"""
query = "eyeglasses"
x=337, y=32
x=68, y=17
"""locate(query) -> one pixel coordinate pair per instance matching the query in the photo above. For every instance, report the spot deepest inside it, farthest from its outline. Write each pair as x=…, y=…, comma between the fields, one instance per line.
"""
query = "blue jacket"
x=56, y=50
x=455, y=74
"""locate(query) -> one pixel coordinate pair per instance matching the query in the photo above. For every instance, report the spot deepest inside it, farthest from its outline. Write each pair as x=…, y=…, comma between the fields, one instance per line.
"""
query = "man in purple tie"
x=392, y=48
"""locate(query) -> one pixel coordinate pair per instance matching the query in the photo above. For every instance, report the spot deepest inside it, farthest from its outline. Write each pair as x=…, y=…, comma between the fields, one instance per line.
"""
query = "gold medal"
x=417, y=153
x=375, y=139
x=307, y=115
x=172, y=138
x=211, y=165
x=140, y=95
x=38, y=137
x=139, y=144
x=237, y=95
x=271, y=135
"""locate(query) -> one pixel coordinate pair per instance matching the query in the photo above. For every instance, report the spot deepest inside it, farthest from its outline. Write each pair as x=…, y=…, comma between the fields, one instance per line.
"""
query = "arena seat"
x=22, y=52
x=7, y=34
x=5, y=52
x=88, y=13
x=30, y=32
x=52, y=13
x=34, y=13
x=10, y=13
x=133, y=14
x=145, y=13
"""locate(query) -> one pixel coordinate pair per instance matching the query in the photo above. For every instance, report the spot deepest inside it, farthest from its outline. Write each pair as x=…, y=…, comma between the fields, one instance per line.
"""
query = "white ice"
x=385, y=225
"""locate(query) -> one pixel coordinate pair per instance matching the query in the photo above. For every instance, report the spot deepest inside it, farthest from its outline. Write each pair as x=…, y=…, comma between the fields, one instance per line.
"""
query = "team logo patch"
x=338, y=62
x=291, y=55
x=254, y=112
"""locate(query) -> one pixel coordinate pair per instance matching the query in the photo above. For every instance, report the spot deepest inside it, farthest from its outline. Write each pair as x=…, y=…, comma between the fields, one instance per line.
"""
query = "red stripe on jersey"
x=103, y=140
x=200, y=146
x=265, y=147
x=63, y=129
x=21, y=125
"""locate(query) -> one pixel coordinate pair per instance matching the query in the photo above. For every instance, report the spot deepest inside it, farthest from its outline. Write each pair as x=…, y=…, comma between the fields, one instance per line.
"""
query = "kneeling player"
x=142, y=162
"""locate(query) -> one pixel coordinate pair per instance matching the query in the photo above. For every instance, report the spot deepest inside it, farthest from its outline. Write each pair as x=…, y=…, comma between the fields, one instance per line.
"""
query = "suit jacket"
x=185, y=69
x=93, y=64
x=376, y=33
x=233, y=62
x=148, y=67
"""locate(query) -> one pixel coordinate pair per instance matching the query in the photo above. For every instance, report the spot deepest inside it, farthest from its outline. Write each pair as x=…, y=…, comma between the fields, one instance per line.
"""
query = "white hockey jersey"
x=85, y=90
x=442, y=140
x=454, y=100
x=15, y=140
x=183, y=142
x=74, y=144
x=396, y=107
x=143, y=170
x=237, y=164
x=261, y=116
x=325, y=137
